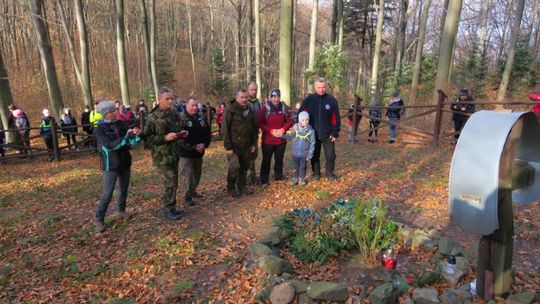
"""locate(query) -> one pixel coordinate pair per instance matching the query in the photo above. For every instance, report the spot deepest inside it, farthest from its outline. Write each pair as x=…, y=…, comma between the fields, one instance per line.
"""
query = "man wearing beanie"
x=323, y=110
x=461, y=108
x=162, y=133
x=114, y=140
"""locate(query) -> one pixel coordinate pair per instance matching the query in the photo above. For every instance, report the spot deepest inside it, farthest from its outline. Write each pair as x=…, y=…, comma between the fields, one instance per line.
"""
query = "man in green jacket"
x=240, y=141
x=163, y=133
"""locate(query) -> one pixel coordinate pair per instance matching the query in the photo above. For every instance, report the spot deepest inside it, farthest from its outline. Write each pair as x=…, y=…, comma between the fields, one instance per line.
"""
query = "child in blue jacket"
x=302, y=147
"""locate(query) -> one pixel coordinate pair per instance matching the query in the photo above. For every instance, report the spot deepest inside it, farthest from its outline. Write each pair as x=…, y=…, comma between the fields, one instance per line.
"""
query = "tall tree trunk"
x=482, y=34
x=443, y=18
x=501, y=95
x=146, y=41
x=190, y=36
x=451, y=25
x=377, y=52
x=401, y=42
x=419, y=51
x=313, y=34
x=212, y=27
x=153, y=50
x=83, y=49
x=285, y=50
x=536, y=46
x=5, y=93
x=334, y=22
x=249, y=36
x=258, y=74
x=340, y=24
x=121, y=51
x=46, y=56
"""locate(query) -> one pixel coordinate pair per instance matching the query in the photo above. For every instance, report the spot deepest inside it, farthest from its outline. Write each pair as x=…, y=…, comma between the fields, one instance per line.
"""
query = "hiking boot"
x=302, y=182
x=197, y=195
x=253, y=180
x=316, y=176
x=188, y=201
x=391, y=141
x=234, y=193
x=294, y=181
x=173, y=215
x=332, y=177
x=99, y=226
x=278, y=177
x=124, y=215
x=246, y=191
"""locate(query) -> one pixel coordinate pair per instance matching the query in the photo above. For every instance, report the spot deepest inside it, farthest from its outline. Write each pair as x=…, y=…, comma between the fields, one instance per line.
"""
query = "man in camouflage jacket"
x=163, y=135
x=240, y=141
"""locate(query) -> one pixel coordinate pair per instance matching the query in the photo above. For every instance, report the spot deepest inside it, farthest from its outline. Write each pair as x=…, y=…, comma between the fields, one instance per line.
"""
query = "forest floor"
x=49, y=252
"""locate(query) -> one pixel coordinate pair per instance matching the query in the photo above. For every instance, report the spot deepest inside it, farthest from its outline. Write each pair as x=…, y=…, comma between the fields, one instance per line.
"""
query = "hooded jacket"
x=303, y=141
x=239, y=127
x=114, y=143
x=323, y=114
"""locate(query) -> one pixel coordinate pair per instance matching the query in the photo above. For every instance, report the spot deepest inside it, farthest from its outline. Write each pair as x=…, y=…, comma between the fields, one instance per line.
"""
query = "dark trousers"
x=190, y=175
x=50, y=147
x=251, y=170
x=109, y=181
x=71, y=138
x=169, y=185
x=459, y=123
x=329, y=155
x=278, y=151
x=372, y=131
x=238, y=166
x=299, y=166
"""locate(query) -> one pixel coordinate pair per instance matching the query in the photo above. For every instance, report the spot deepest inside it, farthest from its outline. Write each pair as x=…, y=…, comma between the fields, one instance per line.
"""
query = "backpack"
x=267, y=112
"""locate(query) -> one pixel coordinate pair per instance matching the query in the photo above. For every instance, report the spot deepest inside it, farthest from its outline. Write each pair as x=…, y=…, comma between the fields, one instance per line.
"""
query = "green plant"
x=373, y=230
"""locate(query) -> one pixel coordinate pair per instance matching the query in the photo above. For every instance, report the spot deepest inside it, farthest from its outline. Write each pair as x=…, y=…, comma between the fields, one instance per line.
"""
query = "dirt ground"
x=49, y=252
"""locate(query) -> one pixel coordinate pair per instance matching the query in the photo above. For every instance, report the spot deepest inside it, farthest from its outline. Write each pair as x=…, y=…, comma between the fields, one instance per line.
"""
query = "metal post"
x=438, y=118
x=56, y=149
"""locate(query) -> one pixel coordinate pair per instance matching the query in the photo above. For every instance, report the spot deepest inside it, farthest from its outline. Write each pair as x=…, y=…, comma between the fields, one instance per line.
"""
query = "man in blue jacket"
x=394, y=113
x=323, y=111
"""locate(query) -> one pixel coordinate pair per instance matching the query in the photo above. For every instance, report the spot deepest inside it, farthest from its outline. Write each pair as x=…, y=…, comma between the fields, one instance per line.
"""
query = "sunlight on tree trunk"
x=285, y=50
x=153, y=50
x=146, y=41
x=258, y=74
x=121, y=52
x=5, y=93
x=46, y=56
x=501, y=95
x=190, y=36
x=84, y=51
x=419, y=51
x=447, y=46
x=377, y=52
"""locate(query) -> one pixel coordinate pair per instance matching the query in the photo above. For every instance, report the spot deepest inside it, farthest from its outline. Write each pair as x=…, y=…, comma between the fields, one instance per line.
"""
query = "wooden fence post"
x=438, y=118
x=56, y=149
x=141, y=119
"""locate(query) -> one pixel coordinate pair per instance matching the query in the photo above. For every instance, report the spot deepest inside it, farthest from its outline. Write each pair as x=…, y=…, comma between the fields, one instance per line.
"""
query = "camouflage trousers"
x=252, y=173
x=238, y=166
x=190, y=175
x=169, y=185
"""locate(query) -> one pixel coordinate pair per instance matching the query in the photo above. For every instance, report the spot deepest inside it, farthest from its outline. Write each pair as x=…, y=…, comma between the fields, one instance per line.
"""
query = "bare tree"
x=146, y=41
x=285, y=51
x=419, y=51
x=46, y=56
x=258, y=75
x=501, y=95
x=377, y=52
x=5, y=93
x=190, y=35
x=400, y=39
x=121, y=52
x=153, y=26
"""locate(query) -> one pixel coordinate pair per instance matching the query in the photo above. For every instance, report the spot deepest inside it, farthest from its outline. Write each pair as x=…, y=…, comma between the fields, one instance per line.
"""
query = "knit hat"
x=303, y=115
x=275, y=92
x=17, y=113
x=45, y=112
x=464, y=92
x=105, y=107
x=394, y=94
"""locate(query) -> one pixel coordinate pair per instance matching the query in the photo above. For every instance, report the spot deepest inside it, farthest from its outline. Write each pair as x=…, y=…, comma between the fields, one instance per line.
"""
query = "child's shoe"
x=302, y=182
x=294, y=181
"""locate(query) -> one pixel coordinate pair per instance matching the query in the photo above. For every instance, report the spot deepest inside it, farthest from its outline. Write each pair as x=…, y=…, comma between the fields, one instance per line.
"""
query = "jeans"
x=393, y=122
x=329, y=154
x=299, y=166
x=278, y=151
x=109, y=181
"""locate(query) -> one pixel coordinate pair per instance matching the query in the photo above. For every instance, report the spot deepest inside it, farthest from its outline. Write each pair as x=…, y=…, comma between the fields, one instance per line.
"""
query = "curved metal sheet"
x=474, y=173
x=529, y=150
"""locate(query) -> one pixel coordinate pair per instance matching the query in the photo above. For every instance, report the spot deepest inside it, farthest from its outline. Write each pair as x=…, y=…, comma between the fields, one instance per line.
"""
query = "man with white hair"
x=323, y=110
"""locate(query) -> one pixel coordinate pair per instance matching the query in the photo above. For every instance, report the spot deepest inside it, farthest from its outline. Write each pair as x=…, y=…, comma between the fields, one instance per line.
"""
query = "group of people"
x=178, y=141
